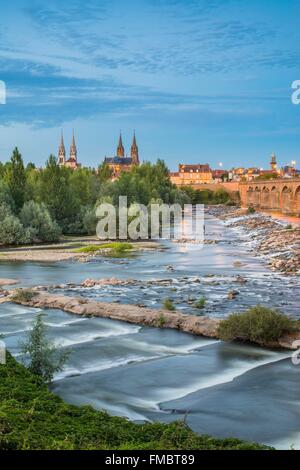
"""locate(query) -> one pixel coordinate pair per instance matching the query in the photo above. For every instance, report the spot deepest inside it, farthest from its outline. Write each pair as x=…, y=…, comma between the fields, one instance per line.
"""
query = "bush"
x=45, y=358
x=12, y=231
x=258, y=325
x=161, y=321
x=220, y=196
x=250, y=210
x=37, y=219
x=168, y=305
x=200, y=303
x=23, y=295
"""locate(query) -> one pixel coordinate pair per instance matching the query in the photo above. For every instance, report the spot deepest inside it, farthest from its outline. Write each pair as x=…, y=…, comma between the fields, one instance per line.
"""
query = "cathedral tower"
x=120, y=148
x=134, y=153
x=61, y=152
x=73, y=150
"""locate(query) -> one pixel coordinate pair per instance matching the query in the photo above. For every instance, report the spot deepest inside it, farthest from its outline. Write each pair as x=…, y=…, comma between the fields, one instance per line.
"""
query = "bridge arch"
x=250, y=196
x=265, y=198
x=286, y=200
x=274, y=198
x=297, y=201
x=257, y=197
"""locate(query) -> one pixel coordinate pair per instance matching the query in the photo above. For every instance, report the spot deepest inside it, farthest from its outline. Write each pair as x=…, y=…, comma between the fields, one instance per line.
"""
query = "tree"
x=56, y=192
x=90, y=221
x=45, y=359
x=15, y=178
x=37, y=219
x=104, y=172
x=12, y=231
x=5, y=195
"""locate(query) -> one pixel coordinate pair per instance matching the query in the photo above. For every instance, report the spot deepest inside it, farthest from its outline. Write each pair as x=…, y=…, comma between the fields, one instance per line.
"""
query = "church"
x=72, y=160
x=120, y=163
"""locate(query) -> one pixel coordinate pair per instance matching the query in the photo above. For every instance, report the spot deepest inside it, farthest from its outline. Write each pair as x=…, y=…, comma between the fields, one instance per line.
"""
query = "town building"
x=219, y=175
x=120, y=163
x=72, y=160
x=192, y=174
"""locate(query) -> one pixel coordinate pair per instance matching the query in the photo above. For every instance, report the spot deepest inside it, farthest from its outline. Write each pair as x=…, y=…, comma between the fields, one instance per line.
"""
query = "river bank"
x=34, y=418
x=275, y=241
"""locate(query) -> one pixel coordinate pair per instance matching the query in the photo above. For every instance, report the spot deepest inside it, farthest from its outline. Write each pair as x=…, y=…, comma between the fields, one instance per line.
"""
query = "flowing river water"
x=226, y=390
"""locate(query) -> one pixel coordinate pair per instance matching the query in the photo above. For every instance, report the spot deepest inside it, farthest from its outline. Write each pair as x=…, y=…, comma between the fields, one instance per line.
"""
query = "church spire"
x=61, y=151
x=134, y=151
x=120, y=148
x=73, y=149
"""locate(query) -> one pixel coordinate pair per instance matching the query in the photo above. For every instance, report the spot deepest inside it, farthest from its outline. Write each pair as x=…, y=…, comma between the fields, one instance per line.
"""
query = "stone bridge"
x=279, y=195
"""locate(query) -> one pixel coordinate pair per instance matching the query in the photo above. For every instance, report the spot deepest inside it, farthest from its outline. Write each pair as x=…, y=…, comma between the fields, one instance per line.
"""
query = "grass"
x=32, y=417
x=259, y=324
x=161, y=321
x=168, y=305
x=23, y=295
x=114, y=247
x=200, y=303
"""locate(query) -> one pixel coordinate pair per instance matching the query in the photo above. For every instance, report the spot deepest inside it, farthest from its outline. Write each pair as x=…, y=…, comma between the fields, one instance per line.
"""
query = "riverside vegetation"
x=38, y=205
x=32, y=417
x=259, y=324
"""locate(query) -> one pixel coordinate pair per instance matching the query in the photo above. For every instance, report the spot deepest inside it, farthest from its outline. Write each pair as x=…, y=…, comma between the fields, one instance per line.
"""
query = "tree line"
x=41, y=204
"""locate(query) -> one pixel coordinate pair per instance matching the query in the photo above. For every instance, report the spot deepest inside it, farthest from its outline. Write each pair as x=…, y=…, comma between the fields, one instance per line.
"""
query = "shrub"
x=23, y=295
x=230, y=203
x=220, y=196
x=258, y=325
x=45, y=358
x=12, y=231
x=200, y=303
x=289, y=227
x=250, y=210
x=161, y=321
x=168, y=304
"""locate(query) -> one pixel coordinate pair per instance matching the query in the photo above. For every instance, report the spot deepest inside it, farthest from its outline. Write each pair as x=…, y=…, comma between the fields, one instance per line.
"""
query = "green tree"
x=56, y=192
x=5, y=195
x=104, y=172
x=45, y=358
x=12, y=231
x=37, y=219
x=15, y=178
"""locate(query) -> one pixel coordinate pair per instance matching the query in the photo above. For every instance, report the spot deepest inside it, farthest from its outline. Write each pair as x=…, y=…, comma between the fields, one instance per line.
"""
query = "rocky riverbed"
x=199, y=326
x=277, y=242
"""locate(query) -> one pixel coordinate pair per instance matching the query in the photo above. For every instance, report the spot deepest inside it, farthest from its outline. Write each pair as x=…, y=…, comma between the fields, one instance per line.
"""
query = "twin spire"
x=72, y=161
x=134, y=151
x=62, y=151
x=120, y=148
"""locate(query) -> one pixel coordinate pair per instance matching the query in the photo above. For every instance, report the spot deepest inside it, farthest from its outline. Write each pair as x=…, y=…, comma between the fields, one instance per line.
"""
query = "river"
x=151, y=374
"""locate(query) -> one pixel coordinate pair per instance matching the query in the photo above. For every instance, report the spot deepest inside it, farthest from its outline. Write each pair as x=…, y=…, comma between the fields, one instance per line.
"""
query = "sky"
x=200, y=81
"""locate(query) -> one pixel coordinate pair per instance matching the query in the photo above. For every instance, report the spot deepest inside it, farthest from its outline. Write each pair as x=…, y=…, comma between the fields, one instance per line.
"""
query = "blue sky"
x=199, y=80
